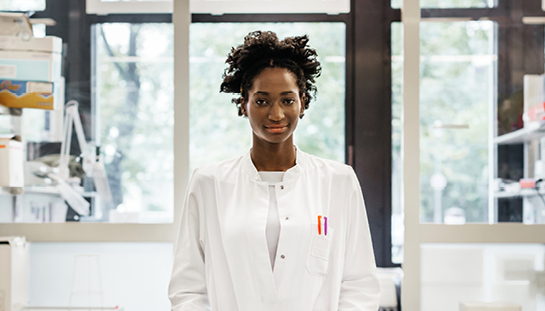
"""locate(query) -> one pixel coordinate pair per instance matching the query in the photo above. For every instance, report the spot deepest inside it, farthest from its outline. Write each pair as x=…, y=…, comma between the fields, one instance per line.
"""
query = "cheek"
x=254, y=119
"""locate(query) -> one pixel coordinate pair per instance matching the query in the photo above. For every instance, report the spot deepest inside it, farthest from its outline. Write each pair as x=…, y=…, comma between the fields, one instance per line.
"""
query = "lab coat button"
x=282, y=256
x=282, y=187
x=287, y=218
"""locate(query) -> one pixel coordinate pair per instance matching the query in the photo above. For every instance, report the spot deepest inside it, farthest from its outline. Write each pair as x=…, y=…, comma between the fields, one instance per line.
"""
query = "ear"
x=243, y=108
x=302, y=110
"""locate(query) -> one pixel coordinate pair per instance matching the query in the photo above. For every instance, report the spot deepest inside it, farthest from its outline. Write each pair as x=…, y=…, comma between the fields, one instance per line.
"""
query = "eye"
x=261, y=102
x=289, y=101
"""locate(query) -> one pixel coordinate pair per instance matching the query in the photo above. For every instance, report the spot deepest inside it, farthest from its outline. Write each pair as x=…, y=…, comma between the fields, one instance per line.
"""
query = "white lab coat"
x=222, y=260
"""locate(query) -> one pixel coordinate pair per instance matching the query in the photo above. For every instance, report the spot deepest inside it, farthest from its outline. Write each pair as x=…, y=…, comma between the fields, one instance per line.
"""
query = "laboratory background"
x=107, y=107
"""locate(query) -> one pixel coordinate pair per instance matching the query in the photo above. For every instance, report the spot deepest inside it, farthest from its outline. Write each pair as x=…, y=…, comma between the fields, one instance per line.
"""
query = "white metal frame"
x=106, y=232
x=112, y=7
x=270, y=7
x=218, y=7
x=410, y=154
x=415, y=232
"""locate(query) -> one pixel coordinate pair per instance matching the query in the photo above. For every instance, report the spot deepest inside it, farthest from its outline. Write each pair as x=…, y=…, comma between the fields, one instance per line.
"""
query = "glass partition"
x=457, y=92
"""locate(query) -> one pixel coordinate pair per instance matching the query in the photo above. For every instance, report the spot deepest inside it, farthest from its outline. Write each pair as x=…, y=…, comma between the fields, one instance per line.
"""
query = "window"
x=505, y=50
x=133, y=73
x=457, y=86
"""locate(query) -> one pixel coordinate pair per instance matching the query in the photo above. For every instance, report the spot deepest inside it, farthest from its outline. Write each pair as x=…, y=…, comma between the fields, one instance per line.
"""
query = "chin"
x=275, y=139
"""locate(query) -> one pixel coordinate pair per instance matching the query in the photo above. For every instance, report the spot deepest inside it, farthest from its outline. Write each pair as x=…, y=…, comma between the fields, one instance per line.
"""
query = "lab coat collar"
x=290, y=175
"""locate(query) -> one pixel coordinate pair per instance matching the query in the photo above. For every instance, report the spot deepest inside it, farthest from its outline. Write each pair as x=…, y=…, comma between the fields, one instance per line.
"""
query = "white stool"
x=388, y=298
x=388, y=277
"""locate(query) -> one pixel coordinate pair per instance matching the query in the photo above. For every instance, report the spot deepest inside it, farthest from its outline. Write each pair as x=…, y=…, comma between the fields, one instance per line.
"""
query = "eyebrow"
x=283, y=93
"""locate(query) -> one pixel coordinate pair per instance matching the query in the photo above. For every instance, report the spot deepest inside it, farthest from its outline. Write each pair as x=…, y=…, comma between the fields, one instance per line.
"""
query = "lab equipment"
x=91, y=166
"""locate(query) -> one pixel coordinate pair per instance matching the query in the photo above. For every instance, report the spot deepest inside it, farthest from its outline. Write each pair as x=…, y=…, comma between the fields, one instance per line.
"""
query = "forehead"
x=273, y=80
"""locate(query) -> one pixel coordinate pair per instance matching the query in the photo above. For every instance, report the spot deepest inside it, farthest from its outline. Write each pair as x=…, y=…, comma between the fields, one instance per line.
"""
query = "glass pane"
x=133, y=276
x=218, y=133
x=19, y=5
x=133, y=74
x=455, y=274
x=457, y=88
x=456, y=95
x=397, y=177
x=450, y=3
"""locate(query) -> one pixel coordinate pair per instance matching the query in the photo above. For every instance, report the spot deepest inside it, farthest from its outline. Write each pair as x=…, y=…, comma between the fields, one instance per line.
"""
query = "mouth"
x=276, y=129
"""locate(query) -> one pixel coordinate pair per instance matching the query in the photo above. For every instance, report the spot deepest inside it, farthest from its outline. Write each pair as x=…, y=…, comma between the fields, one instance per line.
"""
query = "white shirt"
x=221, y=258
x=272, y=230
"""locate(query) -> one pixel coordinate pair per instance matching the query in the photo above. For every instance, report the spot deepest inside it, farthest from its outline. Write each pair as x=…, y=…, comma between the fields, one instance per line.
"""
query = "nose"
x=276, y=113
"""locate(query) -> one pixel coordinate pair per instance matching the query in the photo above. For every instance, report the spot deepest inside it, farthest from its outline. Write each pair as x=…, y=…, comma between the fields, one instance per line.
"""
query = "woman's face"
x=273, y=106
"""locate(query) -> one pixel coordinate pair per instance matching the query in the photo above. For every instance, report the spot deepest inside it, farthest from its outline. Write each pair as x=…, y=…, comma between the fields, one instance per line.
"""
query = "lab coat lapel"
x=245, y=241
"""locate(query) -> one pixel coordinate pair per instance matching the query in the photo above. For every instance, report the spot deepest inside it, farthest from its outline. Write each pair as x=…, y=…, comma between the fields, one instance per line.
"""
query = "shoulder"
x=326, y=166
x=218, y=170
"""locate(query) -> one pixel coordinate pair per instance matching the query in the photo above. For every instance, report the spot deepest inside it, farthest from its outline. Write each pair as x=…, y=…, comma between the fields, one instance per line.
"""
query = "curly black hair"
x=261, y=50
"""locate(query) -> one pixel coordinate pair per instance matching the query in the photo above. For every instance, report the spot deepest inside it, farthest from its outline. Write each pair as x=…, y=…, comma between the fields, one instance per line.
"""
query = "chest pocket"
x=320, y=247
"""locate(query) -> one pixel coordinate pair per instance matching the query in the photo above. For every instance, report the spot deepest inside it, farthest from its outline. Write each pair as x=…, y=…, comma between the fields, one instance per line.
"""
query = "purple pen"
x=325, y=225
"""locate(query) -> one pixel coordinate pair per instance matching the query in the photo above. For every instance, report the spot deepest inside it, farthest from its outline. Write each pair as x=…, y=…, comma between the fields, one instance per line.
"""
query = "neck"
x=273, y=157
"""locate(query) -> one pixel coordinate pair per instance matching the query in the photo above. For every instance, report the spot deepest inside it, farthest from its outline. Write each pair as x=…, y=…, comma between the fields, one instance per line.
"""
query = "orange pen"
x=319, y=224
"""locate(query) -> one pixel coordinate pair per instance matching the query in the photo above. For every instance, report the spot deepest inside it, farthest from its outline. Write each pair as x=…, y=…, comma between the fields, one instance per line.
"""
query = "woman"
x=274, y=229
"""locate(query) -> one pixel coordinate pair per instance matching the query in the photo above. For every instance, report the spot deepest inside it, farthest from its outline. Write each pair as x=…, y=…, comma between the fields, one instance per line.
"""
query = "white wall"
x=134, y=276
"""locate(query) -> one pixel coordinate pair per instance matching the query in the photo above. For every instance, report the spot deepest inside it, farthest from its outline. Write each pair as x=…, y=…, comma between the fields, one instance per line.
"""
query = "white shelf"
x=521, y=193
x=532, y=131
x=50, y=190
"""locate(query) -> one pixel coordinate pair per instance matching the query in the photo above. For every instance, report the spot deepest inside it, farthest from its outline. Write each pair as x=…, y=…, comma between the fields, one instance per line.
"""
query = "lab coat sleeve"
x=187, y=289
x=360, y=289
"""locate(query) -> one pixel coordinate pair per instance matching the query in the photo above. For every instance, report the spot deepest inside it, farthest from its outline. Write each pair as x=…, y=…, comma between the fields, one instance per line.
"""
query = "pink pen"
x=325, y=225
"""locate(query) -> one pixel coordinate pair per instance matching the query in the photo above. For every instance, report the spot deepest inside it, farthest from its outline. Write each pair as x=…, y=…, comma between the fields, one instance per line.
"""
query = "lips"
x=275, y=129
